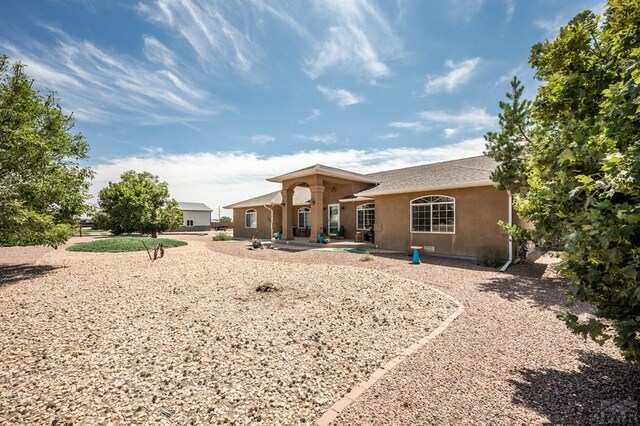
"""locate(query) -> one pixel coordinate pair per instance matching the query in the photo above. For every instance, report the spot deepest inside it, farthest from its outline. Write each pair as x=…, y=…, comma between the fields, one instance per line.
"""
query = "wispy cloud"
x=101, y=86
x=460, y=73
x=467, y=119
x=464, y=9
x=476, y=118
x=416, y=126
x=328, y=138
x=157, y=52
x=510, y=8
x=358, y=40
x=449, y=133
x=341, y=97
x=152, y=150
x=388, y=136
x=315, y=114
x=241, y=175
x=550, y=27
x=284, y=13
x=262, y=139
x=205, y=27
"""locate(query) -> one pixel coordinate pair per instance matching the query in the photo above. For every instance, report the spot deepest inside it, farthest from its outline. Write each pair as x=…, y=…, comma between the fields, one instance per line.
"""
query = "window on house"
x=304, y=217
x=251, y=219
x=433, y=213
x=189, y=222
x=366, y=216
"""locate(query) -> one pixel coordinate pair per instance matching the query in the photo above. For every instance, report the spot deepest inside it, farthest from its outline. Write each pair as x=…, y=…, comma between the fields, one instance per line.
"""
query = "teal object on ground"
x=416, y=254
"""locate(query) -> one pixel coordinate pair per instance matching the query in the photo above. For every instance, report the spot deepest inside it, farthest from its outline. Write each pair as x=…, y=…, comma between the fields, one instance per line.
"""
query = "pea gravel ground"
x=507, y=360
x=97, y=338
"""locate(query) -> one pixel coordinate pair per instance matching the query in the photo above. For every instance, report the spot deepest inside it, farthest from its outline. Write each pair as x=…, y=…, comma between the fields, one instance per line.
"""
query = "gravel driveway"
x=507, y=360
x=115, y=339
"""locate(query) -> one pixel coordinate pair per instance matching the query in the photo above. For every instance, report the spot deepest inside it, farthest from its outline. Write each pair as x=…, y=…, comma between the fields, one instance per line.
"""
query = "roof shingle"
x=471, y=171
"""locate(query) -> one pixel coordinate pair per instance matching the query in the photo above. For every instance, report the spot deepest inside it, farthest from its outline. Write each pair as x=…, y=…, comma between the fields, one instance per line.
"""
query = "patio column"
x=287, y=214
x=317, y=214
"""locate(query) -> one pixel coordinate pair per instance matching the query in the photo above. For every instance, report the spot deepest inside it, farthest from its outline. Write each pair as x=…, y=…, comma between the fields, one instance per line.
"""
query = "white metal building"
x=196, y=217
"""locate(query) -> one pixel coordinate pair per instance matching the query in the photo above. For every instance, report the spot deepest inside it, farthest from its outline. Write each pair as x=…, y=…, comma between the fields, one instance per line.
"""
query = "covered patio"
x=330, y=209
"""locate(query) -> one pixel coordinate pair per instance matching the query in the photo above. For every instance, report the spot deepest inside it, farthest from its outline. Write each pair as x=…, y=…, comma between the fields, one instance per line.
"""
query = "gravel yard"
x=507, y=360
x=113, y=338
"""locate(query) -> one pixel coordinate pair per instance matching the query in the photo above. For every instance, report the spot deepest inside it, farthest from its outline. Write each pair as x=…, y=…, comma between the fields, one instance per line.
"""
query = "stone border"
x=333, y=412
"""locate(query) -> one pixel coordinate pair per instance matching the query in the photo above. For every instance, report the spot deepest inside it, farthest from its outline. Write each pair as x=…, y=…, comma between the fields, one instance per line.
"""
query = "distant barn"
x=196, y=217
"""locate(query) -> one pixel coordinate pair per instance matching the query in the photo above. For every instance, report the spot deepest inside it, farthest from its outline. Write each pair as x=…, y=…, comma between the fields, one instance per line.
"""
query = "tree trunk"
x=154, y=234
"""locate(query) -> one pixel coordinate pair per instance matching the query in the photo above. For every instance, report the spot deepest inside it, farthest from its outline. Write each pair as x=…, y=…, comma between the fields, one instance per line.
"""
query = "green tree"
x=225, y=219
x=139, y=203
x=583, y=167
x=510, y=146
x=43, y=189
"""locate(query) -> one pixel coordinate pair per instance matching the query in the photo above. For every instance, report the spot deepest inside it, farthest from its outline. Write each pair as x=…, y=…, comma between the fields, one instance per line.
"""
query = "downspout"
x=270, y=221
x=506, y=265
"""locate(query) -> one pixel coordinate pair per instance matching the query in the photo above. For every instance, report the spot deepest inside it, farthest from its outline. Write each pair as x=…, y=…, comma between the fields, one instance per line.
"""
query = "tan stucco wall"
x=477, y=211
x=263, y=230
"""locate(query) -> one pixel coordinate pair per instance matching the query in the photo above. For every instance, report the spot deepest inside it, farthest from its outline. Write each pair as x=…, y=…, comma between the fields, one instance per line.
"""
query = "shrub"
x=488, y=258
x=221, y=236
x=366, y=258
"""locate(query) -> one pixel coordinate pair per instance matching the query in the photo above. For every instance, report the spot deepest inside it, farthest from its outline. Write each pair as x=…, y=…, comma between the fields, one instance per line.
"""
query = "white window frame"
x=306, y=211
x=255, y=213
x=362, y=208
x=450, y=200
x=190, y=225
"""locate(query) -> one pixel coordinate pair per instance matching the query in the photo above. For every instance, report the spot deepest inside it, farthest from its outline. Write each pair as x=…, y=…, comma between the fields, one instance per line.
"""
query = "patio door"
x=334, y=218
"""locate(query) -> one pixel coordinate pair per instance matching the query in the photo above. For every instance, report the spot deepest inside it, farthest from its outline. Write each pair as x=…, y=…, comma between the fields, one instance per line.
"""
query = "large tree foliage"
x=43, y=189
x=139, y=202
x=583, y=166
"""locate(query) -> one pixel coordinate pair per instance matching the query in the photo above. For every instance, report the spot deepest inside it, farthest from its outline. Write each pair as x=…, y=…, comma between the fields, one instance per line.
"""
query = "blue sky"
x=215, y=96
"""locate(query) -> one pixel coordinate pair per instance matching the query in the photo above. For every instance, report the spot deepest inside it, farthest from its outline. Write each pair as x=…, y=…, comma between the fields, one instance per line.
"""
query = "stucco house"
x=452, y=206
x=196, y=217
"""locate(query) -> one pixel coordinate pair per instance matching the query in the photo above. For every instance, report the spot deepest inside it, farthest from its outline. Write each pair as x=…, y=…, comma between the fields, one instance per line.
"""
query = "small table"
x=416, y=254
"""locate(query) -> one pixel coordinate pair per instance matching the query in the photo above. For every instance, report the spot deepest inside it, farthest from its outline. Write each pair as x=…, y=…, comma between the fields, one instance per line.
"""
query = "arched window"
x=365, y=216
x=251, y=218
x=433, y=213
x=304, y=217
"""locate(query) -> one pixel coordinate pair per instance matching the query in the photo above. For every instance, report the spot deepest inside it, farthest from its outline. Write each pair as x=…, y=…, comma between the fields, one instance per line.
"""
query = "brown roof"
x=301, y=196
x=323, y=170
x=465, y=172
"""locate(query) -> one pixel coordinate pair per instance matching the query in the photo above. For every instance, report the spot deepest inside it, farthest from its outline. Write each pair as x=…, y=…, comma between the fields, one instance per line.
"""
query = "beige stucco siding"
x=263, y=230
x=477, y=211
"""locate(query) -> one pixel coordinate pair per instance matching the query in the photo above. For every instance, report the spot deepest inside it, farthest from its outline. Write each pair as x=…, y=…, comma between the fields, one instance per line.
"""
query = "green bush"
x=488, y=258
x=221, y=236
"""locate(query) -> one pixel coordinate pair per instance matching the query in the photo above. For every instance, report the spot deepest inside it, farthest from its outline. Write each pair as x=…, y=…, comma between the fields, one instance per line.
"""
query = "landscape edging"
x=332, y=413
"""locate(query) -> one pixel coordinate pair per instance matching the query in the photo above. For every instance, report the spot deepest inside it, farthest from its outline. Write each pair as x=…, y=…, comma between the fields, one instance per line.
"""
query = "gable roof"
x=323, y=170
x=193, y=207
x=301, y=196
x=465, y=172
x=461, y=173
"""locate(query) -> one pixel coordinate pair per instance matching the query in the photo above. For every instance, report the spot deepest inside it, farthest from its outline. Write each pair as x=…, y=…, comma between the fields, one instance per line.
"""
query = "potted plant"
x=323, y=238
x=256, y=243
